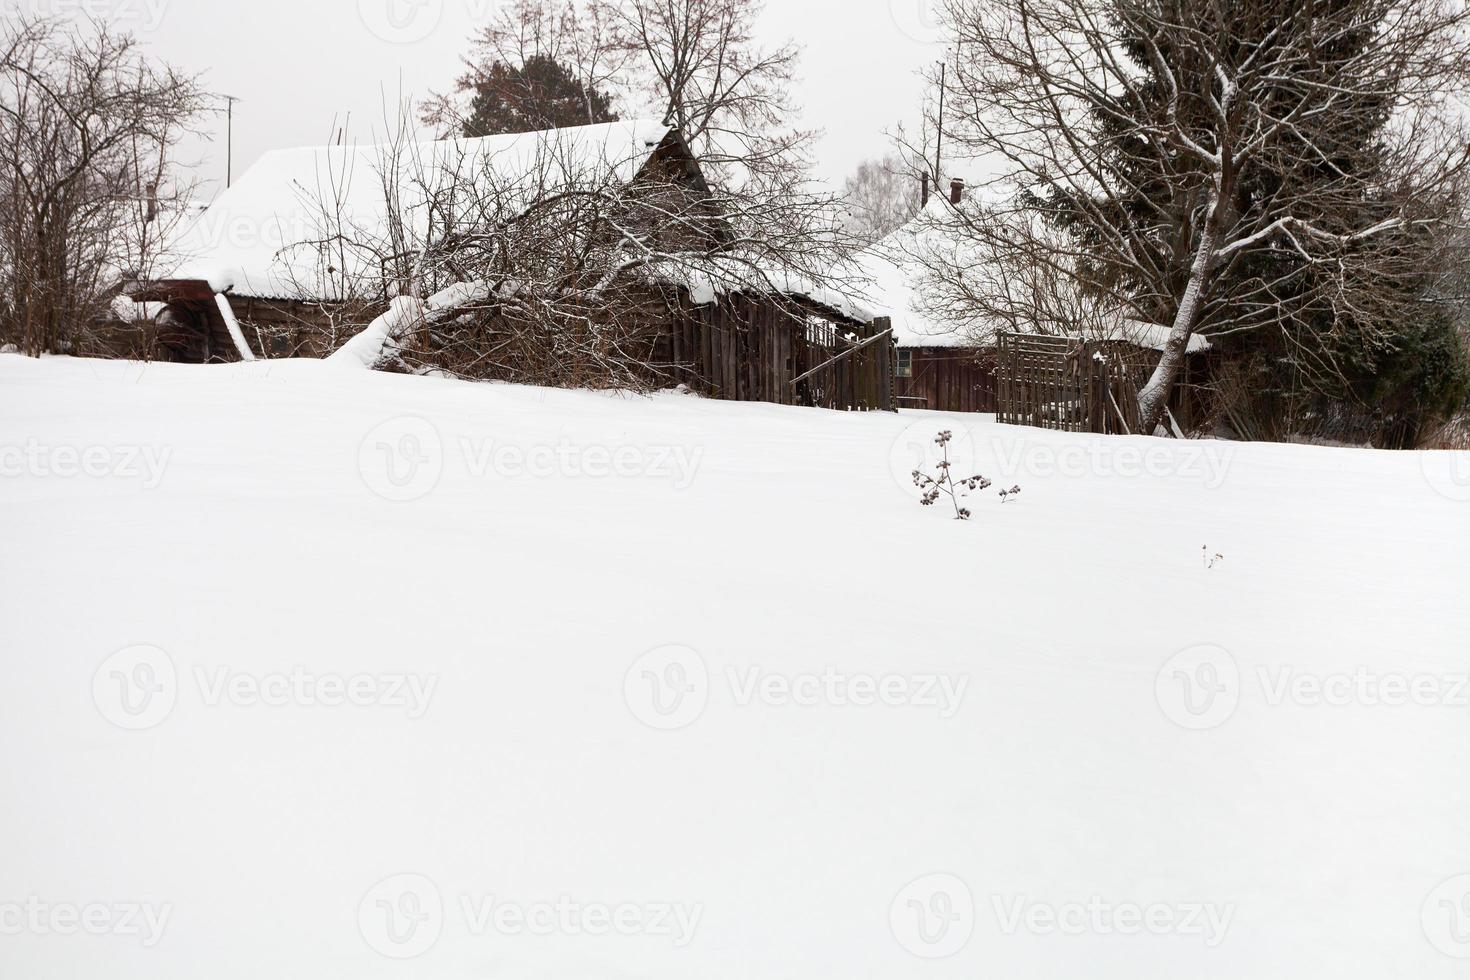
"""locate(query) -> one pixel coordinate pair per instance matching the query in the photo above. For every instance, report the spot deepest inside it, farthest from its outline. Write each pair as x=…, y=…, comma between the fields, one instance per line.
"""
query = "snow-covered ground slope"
x=323, y=674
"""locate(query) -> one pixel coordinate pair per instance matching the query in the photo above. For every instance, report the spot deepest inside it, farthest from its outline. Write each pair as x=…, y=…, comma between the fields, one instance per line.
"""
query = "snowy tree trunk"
x=1154, y=397
x=378, y=338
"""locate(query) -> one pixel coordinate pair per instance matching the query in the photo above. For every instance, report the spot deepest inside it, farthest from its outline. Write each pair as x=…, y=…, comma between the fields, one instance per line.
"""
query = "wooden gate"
x=756, y=348
x=1064, y=383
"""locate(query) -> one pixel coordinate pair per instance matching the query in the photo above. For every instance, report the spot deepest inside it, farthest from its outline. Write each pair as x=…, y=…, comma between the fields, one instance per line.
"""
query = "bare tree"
x=729, y=96
x=1161, y=156
x=882, y=196
x=86, y=126
x=542, y=258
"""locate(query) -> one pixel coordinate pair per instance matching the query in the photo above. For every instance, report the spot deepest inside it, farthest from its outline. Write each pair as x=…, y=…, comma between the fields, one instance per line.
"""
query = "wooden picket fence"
x=1066, y=384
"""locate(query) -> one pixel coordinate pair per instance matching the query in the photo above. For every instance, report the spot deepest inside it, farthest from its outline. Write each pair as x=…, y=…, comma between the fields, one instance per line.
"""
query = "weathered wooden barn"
x=953, y=377
x=275, y=267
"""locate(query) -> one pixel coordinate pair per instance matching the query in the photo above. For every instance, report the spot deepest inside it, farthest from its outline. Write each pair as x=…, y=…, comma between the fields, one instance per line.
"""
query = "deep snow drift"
x=319, y=674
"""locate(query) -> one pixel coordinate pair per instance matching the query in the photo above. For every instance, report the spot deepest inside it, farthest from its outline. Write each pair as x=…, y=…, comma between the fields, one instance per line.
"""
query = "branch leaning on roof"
x=560, y=274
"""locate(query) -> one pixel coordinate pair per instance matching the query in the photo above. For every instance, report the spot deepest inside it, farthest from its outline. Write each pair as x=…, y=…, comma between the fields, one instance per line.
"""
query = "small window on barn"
x=905, y=364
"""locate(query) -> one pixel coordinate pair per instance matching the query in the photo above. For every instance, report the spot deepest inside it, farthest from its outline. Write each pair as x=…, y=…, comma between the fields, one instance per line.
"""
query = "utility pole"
x=230, y=101
x=939, y=125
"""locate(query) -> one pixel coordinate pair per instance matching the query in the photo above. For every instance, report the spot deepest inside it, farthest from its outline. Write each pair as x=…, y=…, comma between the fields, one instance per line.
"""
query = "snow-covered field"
x=312, y=673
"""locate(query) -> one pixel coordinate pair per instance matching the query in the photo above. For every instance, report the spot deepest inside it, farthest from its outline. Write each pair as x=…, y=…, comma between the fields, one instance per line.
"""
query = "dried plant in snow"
x=943, y=482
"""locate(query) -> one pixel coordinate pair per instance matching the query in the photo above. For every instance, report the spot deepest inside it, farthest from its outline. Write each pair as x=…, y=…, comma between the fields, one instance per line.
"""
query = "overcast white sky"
x=296, y=65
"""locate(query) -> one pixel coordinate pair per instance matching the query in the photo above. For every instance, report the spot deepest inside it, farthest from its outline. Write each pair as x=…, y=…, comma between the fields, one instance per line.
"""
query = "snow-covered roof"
x=894, y=272
x=892, y=275
x=250, y=240
x=709, y=279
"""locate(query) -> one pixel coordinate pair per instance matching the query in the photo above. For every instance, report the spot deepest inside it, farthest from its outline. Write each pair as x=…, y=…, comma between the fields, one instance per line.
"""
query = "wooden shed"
x=254, y=284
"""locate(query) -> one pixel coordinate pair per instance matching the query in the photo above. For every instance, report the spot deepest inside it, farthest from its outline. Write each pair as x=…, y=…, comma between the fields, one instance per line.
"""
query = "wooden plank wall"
x=751, y=348
x=948, y=380
x=743, y=348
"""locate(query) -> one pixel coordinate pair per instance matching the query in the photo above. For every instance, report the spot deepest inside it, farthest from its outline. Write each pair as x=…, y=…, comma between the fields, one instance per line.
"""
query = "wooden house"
x=276, y=266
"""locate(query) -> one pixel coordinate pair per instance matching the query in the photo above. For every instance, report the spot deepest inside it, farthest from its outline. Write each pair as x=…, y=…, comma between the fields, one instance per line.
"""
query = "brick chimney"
x=924, y=193
x=956, y=191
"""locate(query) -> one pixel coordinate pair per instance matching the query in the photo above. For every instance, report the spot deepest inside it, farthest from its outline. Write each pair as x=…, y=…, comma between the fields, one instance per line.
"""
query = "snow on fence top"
x=307, y=223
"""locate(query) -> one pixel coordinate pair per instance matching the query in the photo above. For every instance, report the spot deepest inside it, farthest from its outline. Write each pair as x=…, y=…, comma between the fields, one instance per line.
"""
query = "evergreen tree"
x=1377, y=371
x=540, y=94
